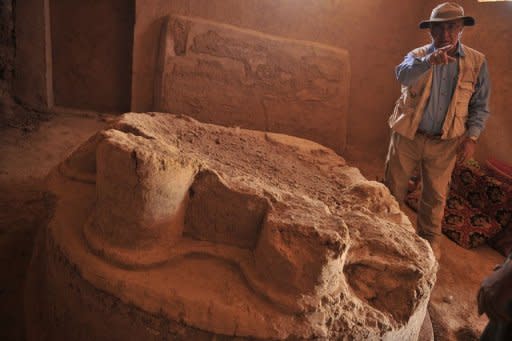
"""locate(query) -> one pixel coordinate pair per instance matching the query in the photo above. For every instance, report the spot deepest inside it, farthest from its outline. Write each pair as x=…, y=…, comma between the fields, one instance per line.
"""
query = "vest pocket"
x=458, y=126
x=461, y=108
x=466, y=89
x=460, y=115
x=412, y=98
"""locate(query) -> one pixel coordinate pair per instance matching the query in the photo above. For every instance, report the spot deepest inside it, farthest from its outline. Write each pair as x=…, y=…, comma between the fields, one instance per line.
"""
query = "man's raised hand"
x=442, y=55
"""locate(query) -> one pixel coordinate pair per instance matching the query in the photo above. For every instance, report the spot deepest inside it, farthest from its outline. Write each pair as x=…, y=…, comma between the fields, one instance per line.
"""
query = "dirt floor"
x=27, y=155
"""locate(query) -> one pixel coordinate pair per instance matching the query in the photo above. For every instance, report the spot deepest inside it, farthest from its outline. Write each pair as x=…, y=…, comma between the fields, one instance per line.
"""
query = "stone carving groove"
x=237, y=232
x=233, y=218
x=222, y=74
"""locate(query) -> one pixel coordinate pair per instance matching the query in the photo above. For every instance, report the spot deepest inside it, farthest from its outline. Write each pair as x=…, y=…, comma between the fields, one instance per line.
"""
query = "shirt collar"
x=460, y=50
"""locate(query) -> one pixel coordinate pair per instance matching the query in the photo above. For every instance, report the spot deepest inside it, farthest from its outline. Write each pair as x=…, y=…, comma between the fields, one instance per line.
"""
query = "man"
x=439, y=116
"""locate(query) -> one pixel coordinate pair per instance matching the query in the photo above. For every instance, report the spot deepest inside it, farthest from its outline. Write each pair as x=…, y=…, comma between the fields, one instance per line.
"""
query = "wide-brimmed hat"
x=445, y=12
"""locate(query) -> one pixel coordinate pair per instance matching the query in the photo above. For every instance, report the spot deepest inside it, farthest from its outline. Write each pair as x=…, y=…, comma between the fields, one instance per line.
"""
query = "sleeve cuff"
x=422, y=61
x=473, y=133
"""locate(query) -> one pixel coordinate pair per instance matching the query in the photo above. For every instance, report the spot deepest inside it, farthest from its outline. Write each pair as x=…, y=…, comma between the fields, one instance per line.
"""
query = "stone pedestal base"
x=192, y=230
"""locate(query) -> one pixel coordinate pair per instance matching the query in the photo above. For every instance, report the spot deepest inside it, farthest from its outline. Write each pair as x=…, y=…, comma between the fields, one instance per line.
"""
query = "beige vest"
x=409, y=108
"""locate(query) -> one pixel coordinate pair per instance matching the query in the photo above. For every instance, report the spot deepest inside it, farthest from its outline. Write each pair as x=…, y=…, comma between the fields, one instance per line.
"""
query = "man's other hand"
x=466, y=150
x=495, y=294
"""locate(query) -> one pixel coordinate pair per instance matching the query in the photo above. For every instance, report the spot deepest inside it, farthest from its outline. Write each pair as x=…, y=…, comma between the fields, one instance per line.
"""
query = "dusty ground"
x=27, y=155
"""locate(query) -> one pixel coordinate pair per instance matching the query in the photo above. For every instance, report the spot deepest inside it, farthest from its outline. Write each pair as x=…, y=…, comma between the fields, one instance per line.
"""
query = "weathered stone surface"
x=232, y=232
x=225, y=75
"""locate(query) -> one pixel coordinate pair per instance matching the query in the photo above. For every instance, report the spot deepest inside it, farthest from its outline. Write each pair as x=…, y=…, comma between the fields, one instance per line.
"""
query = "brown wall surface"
x=91, y=51
x=492, y=35
x=373, y=31
x=376, y=33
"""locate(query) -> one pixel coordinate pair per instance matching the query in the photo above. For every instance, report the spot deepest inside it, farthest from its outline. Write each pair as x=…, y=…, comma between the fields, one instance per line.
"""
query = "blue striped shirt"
x=444, y=80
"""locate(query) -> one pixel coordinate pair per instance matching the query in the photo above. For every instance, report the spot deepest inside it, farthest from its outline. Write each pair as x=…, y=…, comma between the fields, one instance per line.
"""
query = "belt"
x=428, y=135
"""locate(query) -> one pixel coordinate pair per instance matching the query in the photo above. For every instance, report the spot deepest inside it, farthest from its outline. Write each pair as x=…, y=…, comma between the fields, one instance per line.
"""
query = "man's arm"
x=478, y=112
x=479, y=104
x=411, y=68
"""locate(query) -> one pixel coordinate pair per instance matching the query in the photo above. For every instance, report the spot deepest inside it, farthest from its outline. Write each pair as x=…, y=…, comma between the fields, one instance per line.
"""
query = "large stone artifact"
x=167, y=228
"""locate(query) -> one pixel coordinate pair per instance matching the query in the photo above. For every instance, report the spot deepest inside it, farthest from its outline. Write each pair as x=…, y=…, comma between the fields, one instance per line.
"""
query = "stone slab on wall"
x=222, y=74
x=376, y=33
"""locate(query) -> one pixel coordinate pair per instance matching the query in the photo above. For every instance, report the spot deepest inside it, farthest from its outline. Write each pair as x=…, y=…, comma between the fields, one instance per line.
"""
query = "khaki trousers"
x=435, y=158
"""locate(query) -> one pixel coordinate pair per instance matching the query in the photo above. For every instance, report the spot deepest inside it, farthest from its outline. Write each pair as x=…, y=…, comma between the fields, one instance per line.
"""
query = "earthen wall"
x=94, y=56
x=91, y=45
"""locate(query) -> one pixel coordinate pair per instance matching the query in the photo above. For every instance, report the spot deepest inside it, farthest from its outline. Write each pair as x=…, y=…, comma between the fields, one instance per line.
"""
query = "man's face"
x=446, y=33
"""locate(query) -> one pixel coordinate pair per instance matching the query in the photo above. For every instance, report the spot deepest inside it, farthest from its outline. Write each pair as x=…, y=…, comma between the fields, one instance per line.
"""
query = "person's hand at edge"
x=466, y=150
